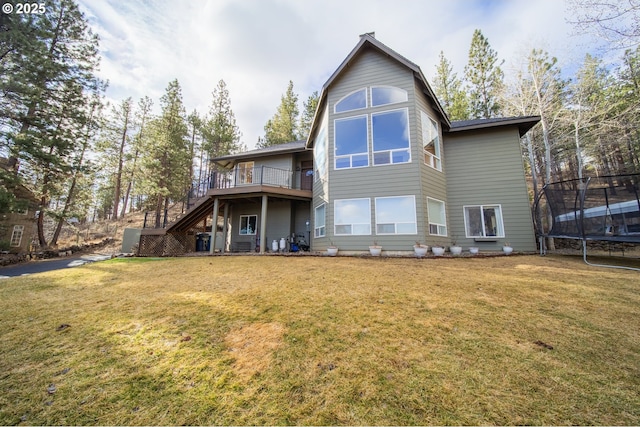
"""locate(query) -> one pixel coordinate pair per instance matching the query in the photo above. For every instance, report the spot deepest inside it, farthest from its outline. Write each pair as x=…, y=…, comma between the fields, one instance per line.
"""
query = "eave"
x=274, y=150
x=524, y=124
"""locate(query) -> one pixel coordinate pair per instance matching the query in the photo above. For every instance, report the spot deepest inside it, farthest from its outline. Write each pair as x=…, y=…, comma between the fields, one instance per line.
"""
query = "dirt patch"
x=252, y=346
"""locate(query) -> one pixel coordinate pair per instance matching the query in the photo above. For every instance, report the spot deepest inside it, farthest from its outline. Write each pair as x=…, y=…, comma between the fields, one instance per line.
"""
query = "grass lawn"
x=306, y=340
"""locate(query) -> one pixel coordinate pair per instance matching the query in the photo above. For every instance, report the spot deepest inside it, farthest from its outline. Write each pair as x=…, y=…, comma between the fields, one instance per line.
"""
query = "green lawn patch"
x=315, y=340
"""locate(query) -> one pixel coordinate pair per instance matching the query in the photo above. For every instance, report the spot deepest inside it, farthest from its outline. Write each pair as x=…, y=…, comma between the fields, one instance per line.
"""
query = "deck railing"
x=260, y=175
x=239, y=177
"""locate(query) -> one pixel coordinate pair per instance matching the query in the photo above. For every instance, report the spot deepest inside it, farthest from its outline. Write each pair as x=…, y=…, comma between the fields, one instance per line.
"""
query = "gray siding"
x=279, y=220
x=238, y=209
x=433, y=182
x=281, y=162
x=372, y=69
x=284, y=217
x=485, y=167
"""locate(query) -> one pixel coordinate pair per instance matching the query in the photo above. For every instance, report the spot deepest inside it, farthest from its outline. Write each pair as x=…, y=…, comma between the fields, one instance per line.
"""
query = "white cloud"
x=257, y=46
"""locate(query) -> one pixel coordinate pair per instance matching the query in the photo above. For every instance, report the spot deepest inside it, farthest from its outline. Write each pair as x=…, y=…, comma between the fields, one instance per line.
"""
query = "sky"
x=257, y=46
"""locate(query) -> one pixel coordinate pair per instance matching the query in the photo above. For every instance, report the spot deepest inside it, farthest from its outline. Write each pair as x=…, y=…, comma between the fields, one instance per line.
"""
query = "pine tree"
x=142, y=117
x=283, y=126
x=484, y=77
x=221, y=134
x=78, y=193
x=448, y=88
x=114, y=146
x=166, y=161
x=47, y=78
x=308, y=112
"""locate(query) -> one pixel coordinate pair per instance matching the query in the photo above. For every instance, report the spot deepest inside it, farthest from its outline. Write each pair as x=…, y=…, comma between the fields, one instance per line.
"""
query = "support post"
x=214, y=225
x=225, y=227
x=263, y=224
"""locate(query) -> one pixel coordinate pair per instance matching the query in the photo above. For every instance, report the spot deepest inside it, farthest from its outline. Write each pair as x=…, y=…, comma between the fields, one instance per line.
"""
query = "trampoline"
x=598, y=208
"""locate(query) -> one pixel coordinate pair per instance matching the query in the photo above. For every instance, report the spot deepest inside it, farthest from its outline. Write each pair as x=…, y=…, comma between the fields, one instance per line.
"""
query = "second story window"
x=431, y=142
x=354, y=101
x=351, y=149
x=370, y=133
x=383, y=95
x=244, y=173
x=390, y=137
x=320, y=154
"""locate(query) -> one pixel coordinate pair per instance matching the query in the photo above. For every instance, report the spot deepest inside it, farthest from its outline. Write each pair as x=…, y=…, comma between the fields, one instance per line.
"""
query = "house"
x=17, y=219
x=382, y=163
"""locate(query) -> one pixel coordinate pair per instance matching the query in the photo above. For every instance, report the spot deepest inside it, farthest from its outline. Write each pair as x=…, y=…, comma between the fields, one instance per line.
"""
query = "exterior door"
x=306, y=178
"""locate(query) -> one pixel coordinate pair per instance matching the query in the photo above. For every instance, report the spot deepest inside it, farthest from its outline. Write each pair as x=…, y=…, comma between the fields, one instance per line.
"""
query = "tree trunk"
x=118, y=189
x=40, y=223
x=159, y=211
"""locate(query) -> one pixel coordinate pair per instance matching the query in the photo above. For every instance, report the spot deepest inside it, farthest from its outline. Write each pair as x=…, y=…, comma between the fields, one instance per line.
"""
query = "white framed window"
x=248, y=224
x=320, y=154
x=353, y=101
x=390, y=131
x=431, y=141
x=483, y=221
x=437, y=217
x=16, y=235
x=244, y=172
x=396, y=215
x=319, y=228
x=352, y=217
x=383, y=95
x=351, y=147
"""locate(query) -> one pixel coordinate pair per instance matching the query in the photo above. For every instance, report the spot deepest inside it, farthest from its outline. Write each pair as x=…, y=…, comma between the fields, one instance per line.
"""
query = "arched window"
x=354, y=101
x=383, y=95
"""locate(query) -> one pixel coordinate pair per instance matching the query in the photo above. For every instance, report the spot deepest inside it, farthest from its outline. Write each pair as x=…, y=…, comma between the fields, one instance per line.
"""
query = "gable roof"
x=286, y=148
x=9, y=180
x=367, y=41
x=524, y=124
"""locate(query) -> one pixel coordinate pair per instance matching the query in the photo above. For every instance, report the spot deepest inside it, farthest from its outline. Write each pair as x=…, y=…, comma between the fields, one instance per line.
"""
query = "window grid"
x=16, y=235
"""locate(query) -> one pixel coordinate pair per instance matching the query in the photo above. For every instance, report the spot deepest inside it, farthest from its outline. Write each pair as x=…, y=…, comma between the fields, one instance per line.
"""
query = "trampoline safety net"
x=603, y=208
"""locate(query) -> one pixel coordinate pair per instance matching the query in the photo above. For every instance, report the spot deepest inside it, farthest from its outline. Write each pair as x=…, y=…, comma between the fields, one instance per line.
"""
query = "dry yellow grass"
x=302, y=340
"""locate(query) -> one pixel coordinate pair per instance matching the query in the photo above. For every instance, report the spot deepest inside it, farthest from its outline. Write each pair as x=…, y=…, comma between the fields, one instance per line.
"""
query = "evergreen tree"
x=132, y=169
x=308, y=112
x=448, y=88
x=78, y=194
x=47, y=78
x=283, y=126
x=221, y=134
x=628, y=93
x=114, y=145
x=484, y=77
x=167, y=160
